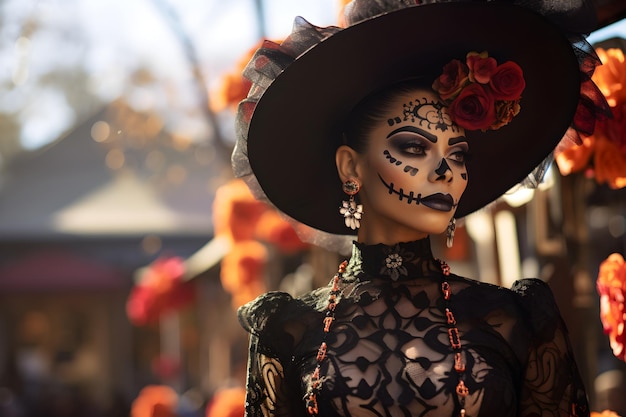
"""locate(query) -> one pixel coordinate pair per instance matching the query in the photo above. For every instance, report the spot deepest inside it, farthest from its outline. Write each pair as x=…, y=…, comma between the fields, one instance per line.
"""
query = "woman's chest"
x=397, y=359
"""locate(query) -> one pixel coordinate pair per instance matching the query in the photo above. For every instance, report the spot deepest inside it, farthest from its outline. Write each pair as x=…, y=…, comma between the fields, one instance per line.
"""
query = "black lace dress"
x=389, y=352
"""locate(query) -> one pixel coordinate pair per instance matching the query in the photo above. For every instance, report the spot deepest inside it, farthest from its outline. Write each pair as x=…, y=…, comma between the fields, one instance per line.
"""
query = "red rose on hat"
x=473, y=109
x=481, y=67
x=507, y=81
x=481, y=94
x=505, y=111
x=452, y=79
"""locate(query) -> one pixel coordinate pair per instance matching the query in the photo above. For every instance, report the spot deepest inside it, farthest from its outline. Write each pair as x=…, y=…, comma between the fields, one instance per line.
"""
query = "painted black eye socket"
x=413, y=148
x=409, y=144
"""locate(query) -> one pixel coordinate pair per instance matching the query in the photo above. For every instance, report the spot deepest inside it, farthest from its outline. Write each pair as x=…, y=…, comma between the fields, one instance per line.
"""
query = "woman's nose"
x=442, y=172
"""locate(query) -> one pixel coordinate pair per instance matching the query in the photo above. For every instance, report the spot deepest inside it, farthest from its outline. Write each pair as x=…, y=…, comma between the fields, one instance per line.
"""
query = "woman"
x=418, y=115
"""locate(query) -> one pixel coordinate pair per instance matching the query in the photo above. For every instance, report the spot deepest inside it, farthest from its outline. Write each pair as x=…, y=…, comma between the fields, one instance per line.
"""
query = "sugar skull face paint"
x=414, y=169
x=427, y=113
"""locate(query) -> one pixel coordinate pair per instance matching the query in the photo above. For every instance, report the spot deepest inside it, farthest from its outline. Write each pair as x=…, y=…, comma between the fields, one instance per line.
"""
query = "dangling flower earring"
x=351, y=211
x=450, y=232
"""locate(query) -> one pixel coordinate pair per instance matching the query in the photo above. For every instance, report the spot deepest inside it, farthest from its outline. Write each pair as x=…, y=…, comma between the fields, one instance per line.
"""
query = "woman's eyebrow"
x=456, y=139
x=414, y=129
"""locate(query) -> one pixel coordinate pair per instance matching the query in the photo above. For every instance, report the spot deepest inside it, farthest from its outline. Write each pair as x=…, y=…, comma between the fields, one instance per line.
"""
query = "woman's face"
x=413, y=171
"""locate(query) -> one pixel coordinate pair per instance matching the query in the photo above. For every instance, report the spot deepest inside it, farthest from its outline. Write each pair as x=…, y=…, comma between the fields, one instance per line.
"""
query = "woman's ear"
x=347, y=160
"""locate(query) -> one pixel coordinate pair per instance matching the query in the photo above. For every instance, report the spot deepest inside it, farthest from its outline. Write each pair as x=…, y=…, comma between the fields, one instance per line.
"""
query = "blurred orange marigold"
x=236, y=212
x=233, y=86
x=242, y=271
x=604, y=153
x=605, y=413
x=227, y=402
x=274, y=229
x=611, y=285
x=155, y=401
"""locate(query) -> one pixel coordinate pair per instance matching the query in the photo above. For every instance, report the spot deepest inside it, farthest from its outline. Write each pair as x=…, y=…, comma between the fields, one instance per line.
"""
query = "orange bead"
x=461, y=389
x=321, y=353
x=327, y=322
x=450, y=317
x=453, y=335
x=459, y=366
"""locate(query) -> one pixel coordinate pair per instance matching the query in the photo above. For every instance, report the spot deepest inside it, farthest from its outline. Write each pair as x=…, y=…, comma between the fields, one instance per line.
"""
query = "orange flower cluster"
x=227, y=402
x=603, y=155
x=161, y=289
x=242, y=271
x=246, y=222
x=605, y=413
x=341, y=5
x=611, y=285
x=155, y=401
x=233, y=87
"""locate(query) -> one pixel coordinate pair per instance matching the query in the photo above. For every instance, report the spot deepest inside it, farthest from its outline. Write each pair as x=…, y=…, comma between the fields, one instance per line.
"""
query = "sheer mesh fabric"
x=389, y=353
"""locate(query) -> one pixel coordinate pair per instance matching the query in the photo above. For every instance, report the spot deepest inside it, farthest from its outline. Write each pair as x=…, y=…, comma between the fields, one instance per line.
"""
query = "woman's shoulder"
x=255, y=315
x=275, y=308
x=531, y=299
x=539, y=305
x=526, y=289
x=281, y=322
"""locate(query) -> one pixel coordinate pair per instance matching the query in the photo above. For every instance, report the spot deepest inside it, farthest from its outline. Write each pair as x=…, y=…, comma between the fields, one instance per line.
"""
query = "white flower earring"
x=351, y=211
x=450, y=232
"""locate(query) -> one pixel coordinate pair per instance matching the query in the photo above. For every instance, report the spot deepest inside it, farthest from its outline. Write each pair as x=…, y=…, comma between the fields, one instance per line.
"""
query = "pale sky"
x=111, y=38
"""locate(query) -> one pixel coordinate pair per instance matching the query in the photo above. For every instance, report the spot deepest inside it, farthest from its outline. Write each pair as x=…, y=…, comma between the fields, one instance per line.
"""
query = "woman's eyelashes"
x=459, y=156
x=409, y=146
x=414, y=148
x=420, y=147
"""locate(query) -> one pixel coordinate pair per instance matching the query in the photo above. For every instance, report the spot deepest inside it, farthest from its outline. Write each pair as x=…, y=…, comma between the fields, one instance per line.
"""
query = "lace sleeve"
x=268, y=385
x=264, y=383
x=552, y=385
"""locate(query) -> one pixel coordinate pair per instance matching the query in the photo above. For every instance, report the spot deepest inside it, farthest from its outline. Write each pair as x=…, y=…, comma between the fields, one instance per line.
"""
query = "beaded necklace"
x=316, y=381
x=315, y=385
x=455, y=341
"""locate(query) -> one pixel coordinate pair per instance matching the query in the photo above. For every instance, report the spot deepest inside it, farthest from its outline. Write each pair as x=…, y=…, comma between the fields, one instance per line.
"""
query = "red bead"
x=321, y=353
x=453, y=334
x=316, y=374
x=459, y=366
x=312, y=405
x=327, y=322
x=445, y=288
x=445, y=268
x=461, y=389
x=450, y=316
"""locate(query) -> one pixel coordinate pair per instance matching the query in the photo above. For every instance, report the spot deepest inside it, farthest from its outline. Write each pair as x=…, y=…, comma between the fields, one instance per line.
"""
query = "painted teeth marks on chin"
x=410, y=197
x=391, y=158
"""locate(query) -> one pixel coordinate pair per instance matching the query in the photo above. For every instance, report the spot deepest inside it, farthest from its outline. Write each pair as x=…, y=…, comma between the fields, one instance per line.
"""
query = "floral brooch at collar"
x=394, y=264
x=480, y=94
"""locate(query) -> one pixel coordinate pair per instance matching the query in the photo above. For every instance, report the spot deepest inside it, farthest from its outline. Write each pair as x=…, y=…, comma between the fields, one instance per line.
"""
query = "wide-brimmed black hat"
x=292, y=122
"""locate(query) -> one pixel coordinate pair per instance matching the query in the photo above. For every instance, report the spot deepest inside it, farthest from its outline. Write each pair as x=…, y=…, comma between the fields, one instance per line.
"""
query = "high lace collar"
x=402, y=261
